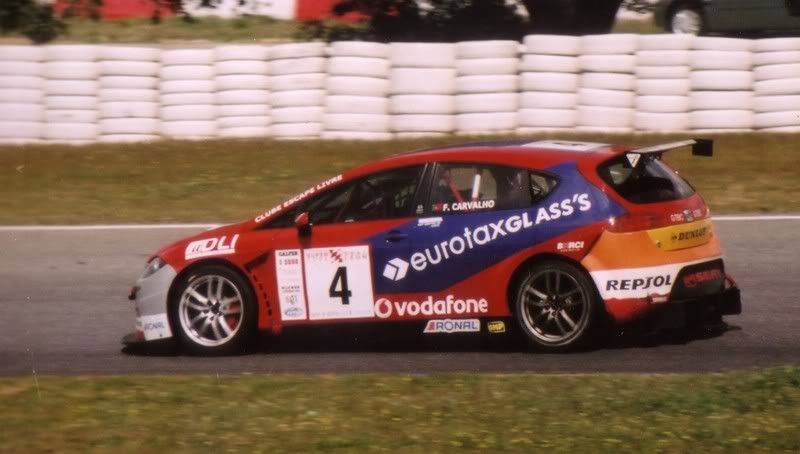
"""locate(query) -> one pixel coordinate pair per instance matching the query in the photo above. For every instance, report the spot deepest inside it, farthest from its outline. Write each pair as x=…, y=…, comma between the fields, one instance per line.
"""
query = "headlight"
x=152, y=266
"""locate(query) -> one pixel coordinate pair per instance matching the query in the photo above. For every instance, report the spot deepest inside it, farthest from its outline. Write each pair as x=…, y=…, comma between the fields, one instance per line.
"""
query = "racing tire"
x=557, y=307
x=685, y=19
x=211, y=326
x=663, y=58
x=776, y=44
x=776, y=58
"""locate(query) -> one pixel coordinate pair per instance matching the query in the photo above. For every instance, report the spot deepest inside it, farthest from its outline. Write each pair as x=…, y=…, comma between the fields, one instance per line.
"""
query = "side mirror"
x=303, y=224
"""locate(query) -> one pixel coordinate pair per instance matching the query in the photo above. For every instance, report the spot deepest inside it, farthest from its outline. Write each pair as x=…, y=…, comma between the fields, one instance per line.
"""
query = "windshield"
x=651, y=181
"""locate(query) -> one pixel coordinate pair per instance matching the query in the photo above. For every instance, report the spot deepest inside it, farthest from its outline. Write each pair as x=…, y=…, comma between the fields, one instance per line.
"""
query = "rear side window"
x=467, y=187
x=651, y=181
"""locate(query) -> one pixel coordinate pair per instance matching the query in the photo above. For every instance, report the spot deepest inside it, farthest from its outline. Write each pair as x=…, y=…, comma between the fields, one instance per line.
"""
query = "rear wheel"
x=686, y=19
x=557, y=306
x=214, y=311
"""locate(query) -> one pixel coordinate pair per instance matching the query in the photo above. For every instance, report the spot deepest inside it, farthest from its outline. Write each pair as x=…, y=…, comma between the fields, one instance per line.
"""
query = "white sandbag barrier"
x=242, y=85
x=487, y=86
x=549, y=74
x=356, y=106
x=422, y=88
x=71, y=83
x=129, y=108
x=187, y=90
x=662, y=71
x=776, y=74
x=372, y=91
x=298, y=74
x=721, y=83
x=606, y=94
x=22, y=112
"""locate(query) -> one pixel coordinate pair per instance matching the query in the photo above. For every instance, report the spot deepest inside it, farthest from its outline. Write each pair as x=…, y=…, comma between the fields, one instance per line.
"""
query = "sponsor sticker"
x=481, y=235
x=211, y=247
x=154, y=326
x=496, y=327
x=468, y=325
x=289, y=270
x=701, y=277
x=299, y=197
x=430, y=222
x=470, y=205
x=570, y=246
x=682, y=236
x=450, y=305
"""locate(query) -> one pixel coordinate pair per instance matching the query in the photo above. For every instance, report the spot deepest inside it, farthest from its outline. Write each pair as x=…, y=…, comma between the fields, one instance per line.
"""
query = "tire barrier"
x=776, y=100
x=242, y=91
x=356, y=106
x=353, y=90
x=486, y=85
x=548, y=81
x=607, y=96
x=662, y=88
x=129, y=108
x=297, y=82
x=420, y=70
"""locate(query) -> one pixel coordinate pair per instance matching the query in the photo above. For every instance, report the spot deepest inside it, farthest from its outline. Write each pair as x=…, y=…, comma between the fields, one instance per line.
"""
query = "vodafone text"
x=484, y=234
x=451, y=305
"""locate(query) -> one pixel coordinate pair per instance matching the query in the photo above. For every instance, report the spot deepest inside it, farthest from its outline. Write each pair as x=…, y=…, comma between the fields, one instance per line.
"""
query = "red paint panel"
x=310, y=10
x=115, y=9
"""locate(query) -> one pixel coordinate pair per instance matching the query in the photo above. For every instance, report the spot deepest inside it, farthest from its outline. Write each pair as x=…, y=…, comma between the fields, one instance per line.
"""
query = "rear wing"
x=700, y=147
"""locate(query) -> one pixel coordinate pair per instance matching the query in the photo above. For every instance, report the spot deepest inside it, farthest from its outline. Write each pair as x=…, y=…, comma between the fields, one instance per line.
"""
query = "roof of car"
x=536, y=154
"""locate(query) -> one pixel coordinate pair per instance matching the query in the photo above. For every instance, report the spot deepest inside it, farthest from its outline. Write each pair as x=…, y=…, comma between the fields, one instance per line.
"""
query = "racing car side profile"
x=558, y=240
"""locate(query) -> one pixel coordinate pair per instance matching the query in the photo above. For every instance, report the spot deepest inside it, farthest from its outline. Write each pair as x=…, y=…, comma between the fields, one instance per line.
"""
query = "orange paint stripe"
x=637, y=249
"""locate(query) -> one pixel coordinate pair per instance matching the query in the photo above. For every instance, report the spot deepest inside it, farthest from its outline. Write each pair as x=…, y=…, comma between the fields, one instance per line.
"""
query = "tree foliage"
x=34, y=20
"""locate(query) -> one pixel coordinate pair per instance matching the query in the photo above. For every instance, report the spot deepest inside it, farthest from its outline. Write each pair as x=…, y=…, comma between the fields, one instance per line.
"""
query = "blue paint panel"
x=453, y=251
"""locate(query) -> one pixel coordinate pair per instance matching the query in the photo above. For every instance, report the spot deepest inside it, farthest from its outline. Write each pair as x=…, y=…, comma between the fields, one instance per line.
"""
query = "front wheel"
x=557, y=306
x=214, y=311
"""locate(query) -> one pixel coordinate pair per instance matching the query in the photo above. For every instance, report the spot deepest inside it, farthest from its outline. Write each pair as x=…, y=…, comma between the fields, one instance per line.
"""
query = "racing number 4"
x=340, y=281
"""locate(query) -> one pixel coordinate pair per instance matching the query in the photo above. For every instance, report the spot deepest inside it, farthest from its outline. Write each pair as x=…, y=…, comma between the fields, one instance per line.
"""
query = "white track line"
x=47, y=228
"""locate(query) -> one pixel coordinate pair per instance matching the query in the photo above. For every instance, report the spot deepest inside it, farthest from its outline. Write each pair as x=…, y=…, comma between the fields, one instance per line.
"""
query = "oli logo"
x=211, y=246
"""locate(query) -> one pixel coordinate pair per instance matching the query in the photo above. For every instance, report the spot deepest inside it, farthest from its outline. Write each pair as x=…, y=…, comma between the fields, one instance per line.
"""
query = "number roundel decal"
x=337, y=281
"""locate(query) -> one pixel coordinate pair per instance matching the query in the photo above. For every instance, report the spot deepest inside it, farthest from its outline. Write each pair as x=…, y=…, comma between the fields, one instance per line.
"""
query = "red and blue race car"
x=558, y=240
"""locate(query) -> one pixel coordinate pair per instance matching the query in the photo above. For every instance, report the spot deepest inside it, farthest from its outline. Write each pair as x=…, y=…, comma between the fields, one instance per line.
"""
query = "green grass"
x=221, y=181
x=753, y=411
x=214, y=29
x=141, y=30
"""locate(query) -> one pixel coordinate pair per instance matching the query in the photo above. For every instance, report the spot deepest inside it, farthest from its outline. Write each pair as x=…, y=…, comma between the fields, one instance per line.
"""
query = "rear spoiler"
x=700, y=147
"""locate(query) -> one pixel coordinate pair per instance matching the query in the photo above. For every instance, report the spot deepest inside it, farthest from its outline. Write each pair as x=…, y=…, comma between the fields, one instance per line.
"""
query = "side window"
x=384, y=195
x=468, y=187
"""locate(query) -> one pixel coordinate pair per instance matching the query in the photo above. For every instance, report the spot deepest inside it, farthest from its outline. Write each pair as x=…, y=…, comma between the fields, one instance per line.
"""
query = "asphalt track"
x=64, y=310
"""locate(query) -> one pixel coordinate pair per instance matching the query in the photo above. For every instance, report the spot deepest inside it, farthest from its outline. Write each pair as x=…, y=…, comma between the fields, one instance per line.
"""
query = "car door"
x=473, y=218
x=324, y=272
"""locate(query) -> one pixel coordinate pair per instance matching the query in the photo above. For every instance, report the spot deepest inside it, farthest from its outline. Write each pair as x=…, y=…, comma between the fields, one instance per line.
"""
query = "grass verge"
x=734, y=412
x=221, y=181
x=240, y=29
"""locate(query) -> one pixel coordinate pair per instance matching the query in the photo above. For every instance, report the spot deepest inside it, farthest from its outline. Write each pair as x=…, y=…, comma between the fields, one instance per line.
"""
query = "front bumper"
x=150, y=296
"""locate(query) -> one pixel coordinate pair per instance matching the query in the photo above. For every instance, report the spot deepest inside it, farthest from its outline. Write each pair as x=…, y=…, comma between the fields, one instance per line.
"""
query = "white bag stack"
x=662, y=83
x=549, y=84
x=129, y=108
x=298, y=75
x=487, y=87
x=722, y=85
x=70, y=90
x=188, y=102
x=422, y=89
x=21, y=94
x=242, y=84
x=606, y=97
x=777, y=84
x=356, y=106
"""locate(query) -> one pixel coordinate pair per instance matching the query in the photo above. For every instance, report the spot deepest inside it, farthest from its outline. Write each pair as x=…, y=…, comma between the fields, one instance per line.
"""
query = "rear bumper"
x=690, y=312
